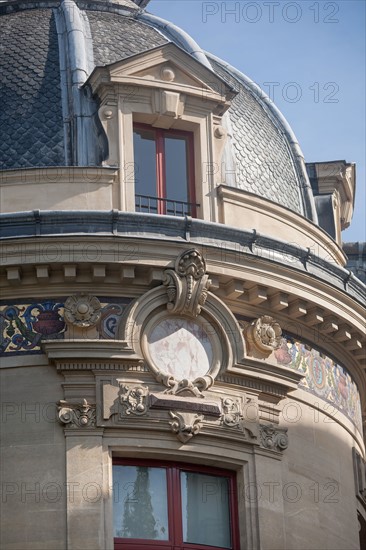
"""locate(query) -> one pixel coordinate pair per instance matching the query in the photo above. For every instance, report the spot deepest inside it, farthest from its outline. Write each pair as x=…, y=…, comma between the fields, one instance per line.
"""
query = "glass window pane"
x=140, y=503
x=205, y=509
x=145, y=167
x=176, y=168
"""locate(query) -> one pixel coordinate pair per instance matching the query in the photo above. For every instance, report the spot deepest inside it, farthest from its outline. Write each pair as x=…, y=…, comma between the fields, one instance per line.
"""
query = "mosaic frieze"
x=322, y=377
x=23, y=326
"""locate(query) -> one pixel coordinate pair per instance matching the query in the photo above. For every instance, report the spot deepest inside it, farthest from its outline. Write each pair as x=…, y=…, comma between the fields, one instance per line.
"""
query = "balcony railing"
x=155, y=205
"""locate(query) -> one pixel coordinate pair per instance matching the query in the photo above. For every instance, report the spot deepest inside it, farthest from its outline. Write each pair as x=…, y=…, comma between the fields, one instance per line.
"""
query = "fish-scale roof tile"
x=116, y=38
x=260, y=145
x=260, y=148
x=30, y=95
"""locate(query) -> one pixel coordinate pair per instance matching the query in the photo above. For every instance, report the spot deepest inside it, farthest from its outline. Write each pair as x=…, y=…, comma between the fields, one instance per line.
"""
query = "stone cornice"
x=58, y=174
x=297, y=225
x=275, y=374
x=67, y=352
x=247, y=244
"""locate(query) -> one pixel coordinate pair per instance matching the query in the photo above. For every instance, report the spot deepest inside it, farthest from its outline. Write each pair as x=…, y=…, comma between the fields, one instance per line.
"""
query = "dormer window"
x=164, y=172
x=162, y=113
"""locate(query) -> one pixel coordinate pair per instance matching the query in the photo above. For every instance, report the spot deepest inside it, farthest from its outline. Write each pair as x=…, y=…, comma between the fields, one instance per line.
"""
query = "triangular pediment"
x=169, y=71
x=167, y=67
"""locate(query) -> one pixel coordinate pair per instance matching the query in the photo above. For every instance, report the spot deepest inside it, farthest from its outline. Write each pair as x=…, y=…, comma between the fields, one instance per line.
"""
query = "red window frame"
x=173, y=470
x=160, y=134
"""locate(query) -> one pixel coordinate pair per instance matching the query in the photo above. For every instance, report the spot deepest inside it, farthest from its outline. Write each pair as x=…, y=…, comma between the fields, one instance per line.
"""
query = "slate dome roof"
x=35, y=73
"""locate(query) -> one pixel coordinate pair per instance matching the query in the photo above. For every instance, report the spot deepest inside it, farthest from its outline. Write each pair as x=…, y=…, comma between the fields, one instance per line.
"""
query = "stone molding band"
x=46, y=223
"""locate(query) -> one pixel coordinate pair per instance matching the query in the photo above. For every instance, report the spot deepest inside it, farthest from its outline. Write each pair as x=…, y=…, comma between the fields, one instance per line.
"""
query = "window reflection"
x=163, y=166
x=176, y=161
x=140, y=503
x=205, y=509
x=145, y=162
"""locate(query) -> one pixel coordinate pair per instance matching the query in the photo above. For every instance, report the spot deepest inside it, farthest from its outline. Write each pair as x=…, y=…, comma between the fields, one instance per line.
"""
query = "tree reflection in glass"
x=140, y=503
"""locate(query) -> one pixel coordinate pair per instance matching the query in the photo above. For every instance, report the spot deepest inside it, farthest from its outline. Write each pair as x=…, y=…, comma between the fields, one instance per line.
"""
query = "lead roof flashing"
x=170, y=228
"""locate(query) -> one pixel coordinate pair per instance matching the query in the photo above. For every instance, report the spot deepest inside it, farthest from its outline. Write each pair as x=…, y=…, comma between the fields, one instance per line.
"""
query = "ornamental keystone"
x=185, y=425
x=187, y=285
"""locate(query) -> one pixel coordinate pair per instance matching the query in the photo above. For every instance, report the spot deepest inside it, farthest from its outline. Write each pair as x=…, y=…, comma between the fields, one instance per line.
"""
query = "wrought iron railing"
x=156, y=205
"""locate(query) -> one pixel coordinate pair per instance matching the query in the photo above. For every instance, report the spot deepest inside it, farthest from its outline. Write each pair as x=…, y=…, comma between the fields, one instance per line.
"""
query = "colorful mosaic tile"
x=322, y=377
x=24, y=326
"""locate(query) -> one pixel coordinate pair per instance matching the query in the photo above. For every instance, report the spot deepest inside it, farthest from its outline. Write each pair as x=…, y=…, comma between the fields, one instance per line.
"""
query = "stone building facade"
x=183, y=347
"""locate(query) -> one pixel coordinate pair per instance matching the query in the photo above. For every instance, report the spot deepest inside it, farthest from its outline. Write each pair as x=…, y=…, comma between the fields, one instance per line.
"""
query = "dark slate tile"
x=264, y=162
x=30, y=94
x=116, y=37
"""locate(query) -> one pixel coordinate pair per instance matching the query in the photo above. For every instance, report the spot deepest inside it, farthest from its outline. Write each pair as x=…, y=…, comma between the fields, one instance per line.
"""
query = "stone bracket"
x=77, y=415
x=273, y=438
x=235, y=416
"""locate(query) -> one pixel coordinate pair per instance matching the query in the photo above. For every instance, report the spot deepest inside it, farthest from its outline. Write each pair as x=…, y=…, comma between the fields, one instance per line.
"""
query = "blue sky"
x=310, y=53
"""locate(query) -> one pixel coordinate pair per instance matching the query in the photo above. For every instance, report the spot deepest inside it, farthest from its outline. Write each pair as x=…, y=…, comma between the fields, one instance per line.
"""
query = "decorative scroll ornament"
x=185, y=425
x=185, y=387
x=76, y=415
x=273, y=437
x=134, y=400
x=263, y=335
x=187, y=285
x=233, y=417
x=232, y=414
x=82, y=310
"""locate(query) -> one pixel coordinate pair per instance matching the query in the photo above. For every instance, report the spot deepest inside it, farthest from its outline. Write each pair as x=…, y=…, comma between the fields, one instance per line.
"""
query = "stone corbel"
x=77, y=415
x=185, y=425
x=273, y=437
x=220, y=140
x=108, y=115
x=187, y=285
x=233, y=417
